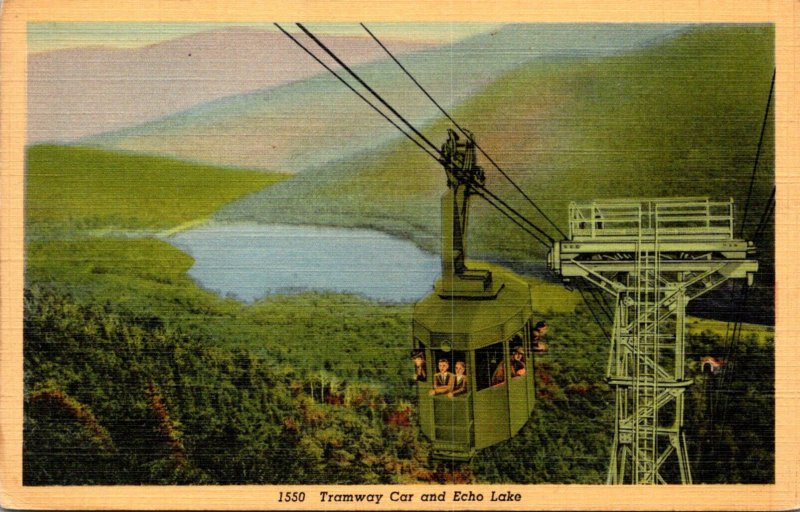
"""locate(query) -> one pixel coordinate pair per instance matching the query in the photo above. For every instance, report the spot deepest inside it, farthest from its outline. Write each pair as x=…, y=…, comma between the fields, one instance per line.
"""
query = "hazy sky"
x=52, y=36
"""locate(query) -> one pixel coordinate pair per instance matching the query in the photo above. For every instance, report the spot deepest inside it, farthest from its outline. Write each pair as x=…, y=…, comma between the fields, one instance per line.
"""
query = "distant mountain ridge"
x=74, y=93
x=310, y=122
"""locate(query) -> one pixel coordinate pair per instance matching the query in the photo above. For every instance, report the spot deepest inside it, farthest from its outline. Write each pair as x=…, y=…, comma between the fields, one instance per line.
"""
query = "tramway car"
x=479, y=319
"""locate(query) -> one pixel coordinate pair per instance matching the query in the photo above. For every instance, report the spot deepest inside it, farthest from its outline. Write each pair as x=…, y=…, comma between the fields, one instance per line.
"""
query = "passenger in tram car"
x=518, y=362
x=538, y=336
x=459, y=380
x=499, y=375
x=443, y=380
x=420, y=374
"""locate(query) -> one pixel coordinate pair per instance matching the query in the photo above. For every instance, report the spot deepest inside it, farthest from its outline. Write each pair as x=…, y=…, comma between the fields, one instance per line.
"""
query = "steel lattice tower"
x=652, y=256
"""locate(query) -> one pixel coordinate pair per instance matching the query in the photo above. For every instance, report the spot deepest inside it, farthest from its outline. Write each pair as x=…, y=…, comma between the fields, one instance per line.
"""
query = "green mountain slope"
x=72, y=190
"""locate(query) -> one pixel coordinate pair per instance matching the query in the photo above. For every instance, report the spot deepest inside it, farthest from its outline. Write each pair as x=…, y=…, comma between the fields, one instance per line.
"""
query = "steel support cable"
x=718, y=389
x=735, y=336
x=375, y=108
x=732, y=337
x=758, y=153
x=744, y=294
x=765, y=215
x=594, y=315
x=462, y=130
x=420, y=145
x=522, y=217
x=732, y=332
x=512, y=219
x=604, y=307
x=761, y=226
x=366, y=86
x=728, y=340
x=727, y=374
x=509, y=217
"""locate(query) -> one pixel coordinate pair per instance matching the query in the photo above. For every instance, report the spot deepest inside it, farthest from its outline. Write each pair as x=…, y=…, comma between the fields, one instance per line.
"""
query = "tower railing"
x=686, y=218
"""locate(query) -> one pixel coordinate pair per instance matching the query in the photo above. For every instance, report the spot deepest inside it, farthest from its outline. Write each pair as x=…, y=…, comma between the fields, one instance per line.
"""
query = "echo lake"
x=250, y=261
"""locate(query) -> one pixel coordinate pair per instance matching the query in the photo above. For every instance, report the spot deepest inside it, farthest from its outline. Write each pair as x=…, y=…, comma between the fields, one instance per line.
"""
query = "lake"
x=251, y=261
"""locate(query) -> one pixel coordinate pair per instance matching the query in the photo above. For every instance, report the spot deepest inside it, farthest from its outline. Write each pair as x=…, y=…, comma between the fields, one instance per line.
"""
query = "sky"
x=54, y=36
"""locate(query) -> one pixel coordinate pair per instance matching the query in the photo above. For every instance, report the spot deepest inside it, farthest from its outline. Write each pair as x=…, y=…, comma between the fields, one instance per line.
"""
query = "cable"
x=763, y=222
x=737, y=327
x=370, y=89
x=594, y=315
x=443, y=111
x=765, y=216
x=731, y=355
x=758, y=153
x=604, y=307
x=732, y=338
x=512, y=219
x=548, y=219
x=511, y=209
x=379, y=111
x=515, y=212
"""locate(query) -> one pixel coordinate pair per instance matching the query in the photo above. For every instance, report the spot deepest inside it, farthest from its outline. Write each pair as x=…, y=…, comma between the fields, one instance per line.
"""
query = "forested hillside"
x=134, y=372
x=113, y=397
x=119, y=397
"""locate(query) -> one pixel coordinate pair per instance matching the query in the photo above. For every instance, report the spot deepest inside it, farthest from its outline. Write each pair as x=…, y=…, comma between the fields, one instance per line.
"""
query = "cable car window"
x=451, y=356
x=444, y=364
x=489, y=366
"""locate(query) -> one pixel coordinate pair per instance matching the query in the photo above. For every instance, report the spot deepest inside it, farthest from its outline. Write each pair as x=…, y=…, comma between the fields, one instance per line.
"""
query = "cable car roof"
x=465, y=324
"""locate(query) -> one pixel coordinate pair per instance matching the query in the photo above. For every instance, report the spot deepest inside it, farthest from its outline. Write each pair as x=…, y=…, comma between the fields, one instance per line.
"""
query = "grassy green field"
x=760, y=334
x=72, y=190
